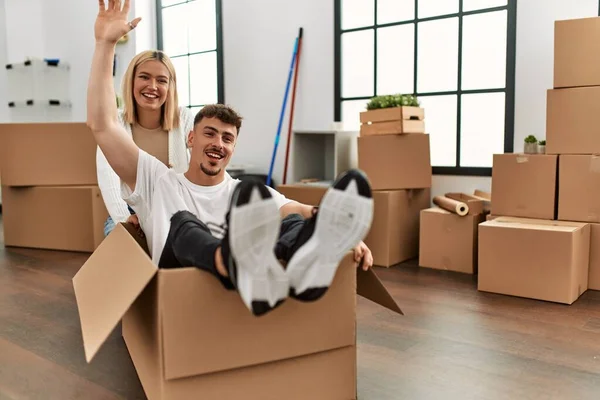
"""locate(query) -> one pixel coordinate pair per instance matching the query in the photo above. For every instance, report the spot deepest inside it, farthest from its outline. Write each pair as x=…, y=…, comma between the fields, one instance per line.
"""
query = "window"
x=189, y=31
x=457, y=56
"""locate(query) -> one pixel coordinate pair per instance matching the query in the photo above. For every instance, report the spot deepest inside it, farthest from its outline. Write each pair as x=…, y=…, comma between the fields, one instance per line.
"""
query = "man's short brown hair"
x=222, y=112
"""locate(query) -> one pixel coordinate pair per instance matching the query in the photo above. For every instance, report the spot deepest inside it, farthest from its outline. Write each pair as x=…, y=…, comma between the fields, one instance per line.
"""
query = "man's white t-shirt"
x=160, y=192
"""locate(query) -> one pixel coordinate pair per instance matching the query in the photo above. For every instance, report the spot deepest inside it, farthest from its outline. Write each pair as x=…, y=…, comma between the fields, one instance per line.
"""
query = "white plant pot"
x=541, y=149
x=530, y=148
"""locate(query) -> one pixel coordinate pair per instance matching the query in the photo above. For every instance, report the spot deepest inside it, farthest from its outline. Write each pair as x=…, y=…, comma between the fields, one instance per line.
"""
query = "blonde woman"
x=152, y=117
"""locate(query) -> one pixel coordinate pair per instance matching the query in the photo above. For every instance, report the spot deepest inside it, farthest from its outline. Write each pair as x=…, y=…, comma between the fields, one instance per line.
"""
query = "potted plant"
x=530, y=146
x=392, y=114
x=542, y=147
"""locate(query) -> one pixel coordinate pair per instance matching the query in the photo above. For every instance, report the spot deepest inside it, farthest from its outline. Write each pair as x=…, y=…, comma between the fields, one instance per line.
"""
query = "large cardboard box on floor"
x=394, y=234
x=448, y=241
x=47, y=154
x=54, y=217
x=303, y=193
x=396, y=161
x=536, y=259
x=525, y=185
x=579, y=188
x=573, y=121
x=576, y=57
x=594, y=271
x=189, y=338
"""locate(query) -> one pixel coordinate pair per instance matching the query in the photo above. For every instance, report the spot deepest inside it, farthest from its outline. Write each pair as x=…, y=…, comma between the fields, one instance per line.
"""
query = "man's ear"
x=190, y=139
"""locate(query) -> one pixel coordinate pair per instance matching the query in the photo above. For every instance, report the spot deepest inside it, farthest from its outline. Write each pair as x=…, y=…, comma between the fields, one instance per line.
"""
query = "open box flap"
x=370, y=287
x=108, y=284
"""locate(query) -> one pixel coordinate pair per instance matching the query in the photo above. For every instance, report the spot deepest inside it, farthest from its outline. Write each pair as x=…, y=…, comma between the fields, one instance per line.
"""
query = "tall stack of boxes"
x=394, y=152
x=50, y=195
x=544, y=239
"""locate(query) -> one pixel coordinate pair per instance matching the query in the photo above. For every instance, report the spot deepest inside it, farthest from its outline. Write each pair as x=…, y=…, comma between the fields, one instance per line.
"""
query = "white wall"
x=258, y=43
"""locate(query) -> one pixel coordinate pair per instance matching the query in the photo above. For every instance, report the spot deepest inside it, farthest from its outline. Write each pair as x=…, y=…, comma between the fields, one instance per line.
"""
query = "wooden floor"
x=453, y=342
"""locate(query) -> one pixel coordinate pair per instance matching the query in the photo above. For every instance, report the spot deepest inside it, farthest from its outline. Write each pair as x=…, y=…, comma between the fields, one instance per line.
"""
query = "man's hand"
x=133, y=219
x=362, y=252
x=111, y=22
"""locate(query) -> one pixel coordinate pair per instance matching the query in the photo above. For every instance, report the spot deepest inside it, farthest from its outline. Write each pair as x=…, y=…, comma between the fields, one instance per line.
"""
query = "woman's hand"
x=111, y=23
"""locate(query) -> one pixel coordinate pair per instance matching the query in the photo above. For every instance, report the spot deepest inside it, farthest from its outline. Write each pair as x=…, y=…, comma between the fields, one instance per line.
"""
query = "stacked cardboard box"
x=394, y=152
x=549, y=251
x=448, y=231
x=50, y=196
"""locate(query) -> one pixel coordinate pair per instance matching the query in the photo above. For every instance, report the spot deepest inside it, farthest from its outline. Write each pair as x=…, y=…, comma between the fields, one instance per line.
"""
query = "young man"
x=206, y=219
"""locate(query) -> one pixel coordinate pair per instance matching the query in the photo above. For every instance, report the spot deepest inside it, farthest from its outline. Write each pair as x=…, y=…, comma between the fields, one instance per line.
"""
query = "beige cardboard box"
x=396, y=161
x=54, y=217
x=579, y=188
x=524, y=185
x=594, y=273
x=573, y=121
x=448, y=241
x=576, y=57
x=303, y=193
x=394, y=234
x=189, y=338
x=536, y=259
x=48, y=154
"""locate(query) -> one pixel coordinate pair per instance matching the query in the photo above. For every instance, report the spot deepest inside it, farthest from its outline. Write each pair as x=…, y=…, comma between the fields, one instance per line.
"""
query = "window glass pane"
x=357, y=63
x=183, y=80
x=482, y=128
x=357, y=13
x=175, y=30
x=203, y=78
x=484, y=51
x=440, y=124
x=395, y=10
x=202, y=25
x=351, y=110
x=469, y=5
x=395, y=55
x=437, y=55
x=165, y=3
x=432, y=8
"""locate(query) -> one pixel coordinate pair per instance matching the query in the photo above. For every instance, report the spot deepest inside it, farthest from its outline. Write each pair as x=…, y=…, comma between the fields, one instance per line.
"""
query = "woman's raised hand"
x=111, y=23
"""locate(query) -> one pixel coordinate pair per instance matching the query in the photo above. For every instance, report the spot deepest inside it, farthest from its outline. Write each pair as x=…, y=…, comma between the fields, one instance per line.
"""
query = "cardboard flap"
x=370, y=287
x=107, y=284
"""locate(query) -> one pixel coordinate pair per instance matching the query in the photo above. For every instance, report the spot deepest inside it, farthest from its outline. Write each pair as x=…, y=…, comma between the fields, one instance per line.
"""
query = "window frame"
x=509, y=88
x=218, y=50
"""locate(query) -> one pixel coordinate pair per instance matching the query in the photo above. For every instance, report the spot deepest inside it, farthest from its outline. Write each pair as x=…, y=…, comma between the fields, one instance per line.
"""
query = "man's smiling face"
x=212, y=142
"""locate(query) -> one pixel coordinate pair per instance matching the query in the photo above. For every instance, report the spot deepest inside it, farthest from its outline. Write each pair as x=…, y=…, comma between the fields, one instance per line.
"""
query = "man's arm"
x=119, y=149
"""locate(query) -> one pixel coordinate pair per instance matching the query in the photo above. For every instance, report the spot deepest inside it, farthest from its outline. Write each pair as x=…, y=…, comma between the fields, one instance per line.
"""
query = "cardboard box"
x=392, y=121
x=536, y=259
x=48, y=154
x=525, y=185
x=394, y=234
x=189, y=337
x=576, y=57
x=573, y=121
x=396, y=161
x=448, y=241
x=594, y=271
x=54, y=217
x=303, y=193
x=579, y=188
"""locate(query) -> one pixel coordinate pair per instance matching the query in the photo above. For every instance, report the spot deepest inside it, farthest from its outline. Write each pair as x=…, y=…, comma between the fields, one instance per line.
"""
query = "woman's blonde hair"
x=170, y=110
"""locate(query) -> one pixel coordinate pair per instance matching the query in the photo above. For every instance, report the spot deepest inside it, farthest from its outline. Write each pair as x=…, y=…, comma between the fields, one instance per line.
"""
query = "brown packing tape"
x=522, y=159
x=453, y=206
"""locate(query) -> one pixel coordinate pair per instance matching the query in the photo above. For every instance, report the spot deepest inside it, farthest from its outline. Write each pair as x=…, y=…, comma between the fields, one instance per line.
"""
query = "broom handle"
x=287, y=89
x=289, y=137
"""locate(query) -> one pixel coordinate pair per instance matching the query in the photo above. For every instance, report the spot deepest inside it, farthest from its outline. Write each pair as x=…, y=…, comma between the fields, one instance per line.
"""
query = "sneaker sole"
x=344, y=219
x=254, y=230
